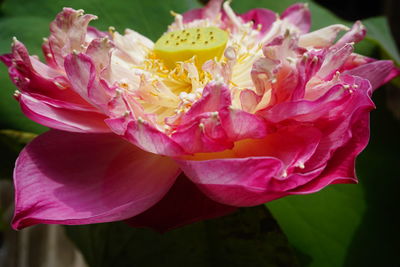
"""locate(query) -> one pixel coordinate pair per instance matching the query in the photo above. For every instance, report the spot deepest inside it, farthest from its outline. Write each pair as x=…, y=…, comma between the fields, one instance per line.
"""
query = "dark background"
x=361, y=9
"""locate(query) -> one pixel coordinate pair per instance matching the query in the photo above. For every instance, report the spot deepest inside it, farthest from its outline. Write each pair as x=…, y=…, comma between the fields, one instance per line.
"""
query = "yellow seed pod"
x=204, y=43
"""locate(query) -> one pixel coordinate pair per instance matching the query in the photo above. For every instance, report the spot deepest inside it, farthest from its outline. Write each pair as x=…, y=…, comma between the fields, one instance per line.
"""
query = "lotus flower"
x=223, y=111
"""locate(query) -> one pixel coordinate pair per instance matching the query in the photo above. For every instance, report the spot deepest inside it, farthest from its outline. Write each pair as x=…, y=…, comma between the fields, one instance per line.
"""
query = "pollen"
x=202, y=43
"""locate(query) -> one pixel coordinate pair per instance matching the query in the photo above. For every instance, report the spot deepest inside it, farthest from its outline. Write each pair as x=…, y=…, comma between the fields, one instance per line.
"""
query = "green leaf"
x=249, y=237
x=147, y=17
x=352, y=225
x=379, y=33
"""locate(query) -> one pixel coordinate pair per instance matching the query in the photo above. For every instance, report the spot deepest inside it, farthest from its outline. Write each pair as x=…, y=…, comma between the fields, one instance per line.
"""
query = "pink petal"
x=62, y=117
x=211, y=10
x=99, y=51
x=81, y=72
x=200, y=129
x=263, y=171
x=260, y=16
x=150, y=139
x=249, y=99
x=240, y=125
x=236, y=182
x=355, y=35
x=93, y=33
x=306, y=110
x=7, y=59
x=192, y=15
x=48, y=55
x=299, y=15
x=32, y=76
x=262, y=71
x=70, y=178
x=341, y=165
x=183, y=204
x=377, y=73
x=292, y=145
x=215, y=97
x=337, y=125
x=334, y=59
x=68, y=33
x=204, y=134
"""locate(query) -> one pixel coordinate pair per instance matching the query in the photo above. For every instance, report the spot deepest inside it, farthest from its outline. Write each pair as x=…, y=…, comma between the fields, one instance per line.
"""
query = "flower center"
x=202, y=43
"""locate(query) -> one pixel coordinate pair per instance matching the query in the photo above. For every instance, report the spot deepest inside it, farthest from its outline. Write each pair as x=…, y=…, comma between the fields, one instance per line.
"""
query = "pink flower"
x=250, y=108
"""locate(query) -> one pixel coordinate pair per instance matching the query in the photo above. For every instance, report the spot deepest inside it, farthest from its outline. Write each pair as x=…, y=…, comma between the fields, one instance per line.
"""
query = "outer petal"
x=377, y=73
x=32, y=76
x=236, y=182
x=264, y=171
x=61, y=116
x=184, y=204
x=341, y=165
x=299, y=15
x=69, y=178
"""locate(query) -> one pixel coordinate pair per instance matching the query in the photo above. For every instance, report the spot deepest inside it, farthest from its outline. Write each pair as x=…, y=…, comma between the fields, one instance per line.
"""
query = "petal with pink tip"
x=182, y=205
x=32, y=76
x=299, y=15
x=355, y=35
x=260, y=16
x=70, y=178
x=68, y=33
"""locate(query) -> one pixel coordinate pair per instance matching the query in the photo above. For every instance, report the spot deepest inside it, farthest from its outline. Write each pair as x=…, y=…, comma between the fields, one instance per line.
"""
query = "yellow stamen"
x=203, y=43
